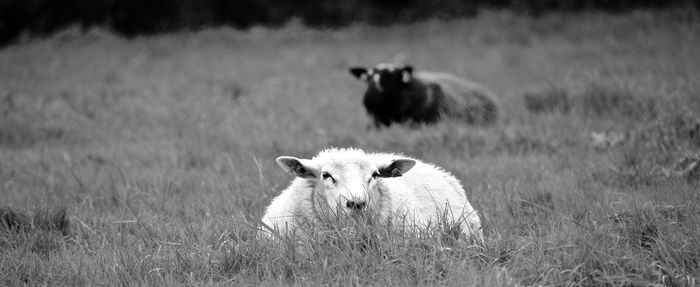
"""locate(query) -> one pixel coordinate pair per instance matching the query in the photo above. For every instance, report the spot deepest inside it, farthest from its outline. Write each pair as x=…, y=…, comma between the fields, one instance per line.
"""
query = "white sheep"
x=350, y=182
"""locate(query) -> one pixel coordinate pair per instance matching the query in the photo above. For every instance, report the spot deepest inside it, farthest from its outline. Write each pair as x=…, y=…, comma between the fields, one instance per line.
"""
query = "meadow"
x=149, y=161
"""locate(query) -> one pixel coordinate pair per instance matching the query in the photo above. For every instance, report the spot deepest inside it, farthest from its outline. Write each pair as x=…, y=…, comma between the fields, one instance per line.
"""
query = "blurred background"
x=134, y=17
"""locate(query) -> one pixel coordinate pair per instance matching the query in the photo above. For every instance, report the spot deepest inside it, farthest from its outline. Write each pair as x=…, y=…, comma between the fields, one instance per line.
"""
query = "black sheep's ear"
x=407, y=73
x=360, y=73
x=397, y=168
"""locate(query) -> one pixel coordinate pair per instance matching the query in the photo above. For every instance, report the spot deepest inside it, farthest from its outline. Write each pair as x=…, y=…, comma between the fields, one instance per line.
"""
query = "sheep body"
x=398, y=94
x=405, y=189
x=463, y=99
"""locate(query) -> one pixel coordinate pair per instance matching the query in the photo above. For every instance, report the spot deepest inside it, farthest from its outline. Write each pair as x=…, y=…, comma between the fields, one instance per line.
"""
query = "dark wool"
x=398, y=95
x=415, y=102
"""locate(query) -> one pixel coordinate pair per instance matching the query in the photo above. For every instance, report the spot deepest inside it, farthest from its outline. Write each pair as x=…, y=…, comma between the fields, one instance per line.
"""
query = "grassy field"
x=160, y=150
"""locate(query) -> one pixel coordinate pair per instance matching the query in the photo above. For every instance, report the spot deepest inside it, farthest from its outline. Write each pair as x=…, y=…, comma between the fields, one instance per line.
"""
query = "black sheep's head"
x=384, y=77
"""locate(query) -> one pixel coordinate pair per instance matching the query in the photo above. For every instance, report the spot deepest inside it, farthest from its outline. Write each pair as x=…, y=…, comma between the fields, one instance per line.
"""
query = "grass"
x=161, y=151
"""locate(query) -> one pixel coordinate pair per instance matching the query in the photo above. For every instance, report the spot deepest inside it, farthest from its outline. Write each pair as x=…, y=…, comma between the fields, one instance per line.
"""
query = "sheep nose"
x=356, y=205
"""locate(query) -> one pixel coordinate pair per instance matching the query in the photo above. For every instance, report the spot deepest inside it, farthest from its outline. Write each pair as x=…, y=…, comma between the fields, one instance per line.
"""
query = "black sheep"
x=398, y=94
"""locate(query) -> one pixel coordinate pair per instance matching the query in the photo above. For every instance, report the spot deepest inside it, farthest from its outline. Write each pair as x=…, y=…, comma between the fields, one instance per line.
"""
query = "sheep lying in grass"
x=398, y=94
x=351, y=183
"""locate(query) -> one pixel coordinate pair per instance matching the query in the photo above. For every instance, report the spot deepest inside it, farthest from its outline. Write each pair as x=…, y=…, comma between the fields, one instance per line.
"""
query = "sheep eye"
x=326, y=175
x=375, y=174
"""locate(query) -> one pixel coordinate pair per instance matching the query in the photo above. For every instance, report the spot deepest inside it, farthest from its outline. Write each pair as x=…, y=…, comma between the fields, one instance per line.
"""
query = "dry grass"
x=161, y=149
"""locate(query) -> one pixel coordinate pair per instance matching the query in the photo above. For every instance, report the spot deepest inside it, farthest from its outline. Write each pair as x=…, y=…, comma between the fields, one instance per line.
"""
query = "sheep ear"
x=303, y=168
x=360, y=73
x=397, y=168
x=407, y=73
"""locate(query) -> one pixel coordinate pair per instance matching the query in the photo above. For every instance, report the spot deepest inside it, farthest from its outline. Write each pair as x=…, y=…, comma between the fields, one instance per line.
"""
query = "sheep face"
x=384, y=78
x=345, y=185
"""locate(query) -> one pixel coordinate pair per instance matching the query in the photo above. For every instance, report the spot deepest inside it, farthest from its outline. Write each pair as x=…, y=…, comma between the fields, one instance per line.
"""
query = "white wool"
x=421, y=196
x=386, y=66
